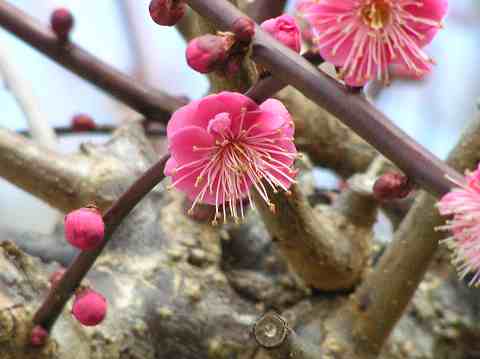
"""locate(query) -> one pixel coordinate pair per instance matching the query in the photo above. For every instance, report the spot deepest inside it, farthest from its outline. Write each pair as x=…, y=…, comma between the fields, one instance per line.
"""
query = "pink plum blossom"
x=286, y=30
x=224, y=145
x=364, y=36
x=463, y=205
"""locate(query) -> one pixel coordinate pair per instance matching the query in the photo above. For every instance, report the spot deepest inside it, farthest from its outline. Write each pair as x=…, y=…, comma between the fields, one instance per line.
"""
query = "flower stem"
x=53, y=305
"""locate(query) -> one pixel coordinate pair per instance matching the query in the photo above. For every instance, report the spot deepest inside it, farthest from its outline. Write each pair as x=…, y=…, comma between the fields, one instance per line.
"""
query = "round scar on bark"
x=271, y=330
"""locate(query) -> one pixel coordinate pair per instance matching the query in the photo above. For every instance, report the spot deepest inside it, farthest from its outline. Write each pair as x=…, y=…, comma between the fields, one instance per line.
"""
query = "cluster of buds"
x=223, y=52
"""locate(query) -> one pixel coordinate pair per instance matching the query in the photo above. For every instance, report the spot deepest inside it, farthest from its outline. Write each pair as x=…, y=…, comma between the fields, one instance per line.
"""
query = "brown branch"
x=261, y=10
x=46, y=174
x=380, y=301
x=53, y=305
x=351, y=108
x=148, y=101
x=98, y=130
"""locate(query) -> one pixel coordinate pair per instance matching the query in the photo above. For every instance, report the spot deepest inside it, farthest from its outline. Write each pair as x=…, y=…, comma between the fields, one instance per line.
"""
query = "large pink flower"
x=364, y=36
x=463, y=205
x=224, y=144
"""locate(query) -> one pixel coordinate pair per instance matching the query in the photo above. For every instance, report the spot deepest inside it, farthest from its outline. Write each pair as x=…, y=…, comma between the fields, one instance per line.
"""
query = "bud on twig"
x=208, y=53
x=244, y=29
x=89, y=307
x=84, y=228
x=392, y=185
x=167, y=12
x=38, y=337
x=83, y=123
x=61, y=22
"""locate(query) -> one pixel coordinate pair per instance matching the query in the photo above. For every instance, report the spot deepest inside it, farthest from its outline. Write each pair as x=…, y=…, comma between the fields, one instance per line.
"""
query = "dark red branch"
x=98, y=130
x=146, y=100
x=351, y=108
x=53, y=305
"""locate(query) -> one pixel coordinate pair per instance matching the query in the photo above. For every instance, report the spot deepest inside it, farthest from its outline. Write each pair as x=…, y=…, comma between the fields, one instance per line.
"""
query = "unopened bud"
x=61, y=22
x=167, y=12
x=89, y=307
x=208, y=53
x=244, y=29
x=83, y=123
x=84, y=228
x=391, y=185
x=38, y=337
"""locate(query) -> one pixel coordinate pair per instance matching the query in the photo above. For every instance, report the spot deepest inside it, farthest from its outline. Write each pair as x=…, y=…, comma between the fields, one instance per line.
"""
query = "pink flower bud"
x=286, y=30
x=38, y=337
x=89, y=307
x=56, y=276
x=83, y=123
x=207, y=53
x=61, y=22
x=84, y=228
x=390, y=186
x=167, y=12
x=244, y=29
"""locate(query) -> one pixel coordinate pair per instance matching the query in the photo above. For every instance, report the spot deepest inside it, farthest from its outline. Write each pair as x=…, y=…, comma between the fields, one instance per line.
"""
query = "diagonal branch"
x=261, y=10
x=379, y=302
x=148, y=101
x=351, y=108
x=58, y=296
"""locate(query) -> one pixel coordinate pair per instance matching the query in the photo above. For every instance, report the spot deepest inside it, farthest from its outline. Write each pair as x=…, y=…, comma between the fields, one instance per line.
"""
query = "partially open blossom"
x=89, y=307
x=167, y=12
x=364, y=36
x=61, y=22
x=83, y=123
x=244, y=29
x=84, y=228
x=286, y=30
x=38, y=337
x=225, y=144
x=391, y=185
x=208, y=53
x=462, y=204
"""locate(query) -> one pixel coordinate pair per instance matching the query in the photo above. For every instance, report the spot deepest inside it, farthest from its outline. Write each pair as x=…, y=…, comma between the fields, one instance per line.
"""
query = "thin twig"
x=53, y=305
x=98, y=130
x=21, y=90
x=148, y=101
x=351, y=108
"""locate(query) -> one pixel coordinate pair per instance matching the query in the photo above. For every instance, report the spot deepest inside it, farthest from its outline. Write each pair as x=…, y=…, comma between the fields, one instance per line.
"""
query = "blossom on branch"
x=364, y=36
x=286, y=30
x=224, y=145
x=463, y=205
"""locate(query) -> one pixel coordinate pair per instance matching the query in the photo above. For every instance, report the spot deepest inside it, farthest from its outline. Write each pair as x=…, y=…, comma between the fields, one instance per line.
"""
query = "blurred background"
x=120, y=32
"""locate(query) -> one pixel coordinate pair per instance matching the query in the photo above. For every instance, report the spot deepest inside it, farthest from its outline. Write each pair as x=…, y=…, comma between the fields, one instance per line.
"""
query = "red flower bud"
x=56, y=276
x=38, y=337
x=234, y=65
x=390, y=186
x=286, y=30
x=244, y=29
x=207, y=53
x=83, y=123
x=84, y=228
x=89, y=307
x=61, y=22
x=167, y=12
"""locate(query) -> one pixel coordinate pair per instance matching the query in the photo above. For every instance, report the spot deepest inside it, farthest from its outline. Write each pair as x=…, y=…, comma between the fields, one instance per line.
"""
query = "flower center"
x=377, y=14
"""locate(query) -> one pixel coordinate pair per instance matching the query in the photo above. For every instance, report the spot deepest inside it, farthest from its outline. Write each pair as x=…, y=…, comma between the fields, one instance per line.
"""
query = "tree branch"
x=379, y=302
x=21, y=90
x=351, y=108
x=148, y=101
x=261, y=10
x=53, y=305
